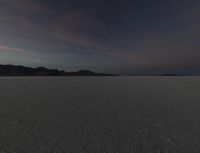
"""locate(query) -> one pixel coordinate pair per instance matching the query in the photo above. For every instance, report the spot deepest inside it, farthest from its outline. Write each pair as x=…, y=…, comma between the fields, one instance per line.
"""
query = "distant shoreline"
x=23, y=71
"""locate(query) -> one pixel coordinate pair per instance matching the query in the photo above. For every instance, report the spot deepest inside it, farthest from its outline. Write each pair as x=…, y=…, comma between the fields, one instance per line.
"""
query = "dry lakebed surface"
x=100, y=114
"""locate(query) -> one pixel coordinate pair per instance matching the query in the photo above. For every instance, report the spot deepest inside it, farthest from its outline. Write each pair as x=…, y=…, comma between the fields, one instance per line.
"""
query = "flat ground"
x=100, y=115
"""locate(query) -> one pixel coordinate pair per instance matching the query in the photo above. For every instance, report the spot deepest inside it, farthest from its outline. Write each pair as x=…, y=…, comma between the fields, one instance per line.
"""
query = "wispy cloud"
x=14, y=49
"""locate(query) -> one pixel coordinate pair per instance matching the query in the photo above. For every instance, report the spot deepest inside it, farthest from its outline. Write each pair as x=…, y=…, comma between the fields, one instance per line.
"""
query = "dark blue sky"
x=112, y=36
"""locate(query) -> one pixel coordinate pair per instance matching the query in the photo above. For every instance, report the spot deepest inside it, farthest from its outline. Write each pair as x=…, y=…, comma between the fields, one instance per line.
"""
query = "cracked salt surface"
x=100, y=114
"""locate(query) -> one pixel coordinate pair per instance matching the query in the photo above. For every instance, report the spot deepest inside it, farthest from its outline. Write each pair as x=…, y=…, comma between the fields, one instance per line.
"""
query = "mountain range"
x=16, y=70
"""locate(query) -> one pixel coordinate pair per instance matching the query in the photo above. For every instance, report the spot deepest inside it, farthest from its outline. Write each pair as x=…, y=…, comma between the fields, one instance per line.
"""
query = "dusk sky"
x=108, y=36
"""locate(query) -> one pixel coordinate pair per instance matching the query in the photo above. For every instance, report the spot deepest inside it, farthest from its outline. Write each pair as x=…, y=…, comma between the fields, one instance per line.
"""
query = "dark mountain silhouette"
x=171, y=74
x=13, y=70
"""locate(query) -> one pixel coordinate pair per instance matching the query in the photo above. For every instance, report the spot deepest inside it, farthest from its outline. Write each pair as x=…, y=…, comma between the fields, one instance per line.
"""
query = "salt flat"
x=100, y=115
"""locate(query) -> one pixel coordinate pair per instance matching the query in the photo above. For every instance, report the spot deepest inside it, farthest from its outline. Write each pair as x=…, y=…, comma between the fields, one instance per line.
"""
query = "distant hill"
x=13, y=70
x=171, y=74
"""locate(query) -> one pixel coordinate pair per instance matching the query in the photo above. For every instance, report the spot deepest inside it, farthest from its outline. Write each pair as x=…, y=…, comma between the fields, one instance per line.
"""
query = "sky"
x=131, y=37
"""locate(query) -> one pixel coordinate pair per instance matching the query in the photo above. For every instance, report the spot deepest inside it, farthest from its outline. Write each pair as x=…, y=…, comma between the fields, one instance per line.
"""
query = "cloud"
x=18, y=50
x=17, y=6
